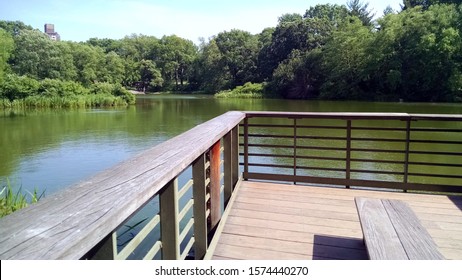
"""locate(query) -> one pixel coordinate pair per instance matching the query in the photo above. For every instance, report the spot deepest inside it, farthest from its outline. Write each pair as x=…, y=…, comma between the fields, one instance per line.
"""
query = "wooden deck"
x=275, y=221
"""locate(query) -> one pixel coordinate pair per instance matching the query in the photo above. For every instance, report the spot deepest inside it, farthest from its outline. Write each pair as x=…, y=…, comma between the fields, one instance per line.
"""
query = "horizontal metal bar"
x=185, y=189
x=377, y=161
x=298, y=126
x=339, y=116
x=434, y=164
x=185, y=210
x=436, y=153
x=377, y=151
x=437, y=142
x=153, y=251
x=435, y=175
x=321, y=168
x=376, y=172
x=271, y=136
x=271, y=165
x=377, y=139
x=322, y=137
x=321, y=148
x=267, y=155
x=354, y=116
x=136, y=241
x=187, y=248
x=436, y=130
x=377, y=128
x=186, y=230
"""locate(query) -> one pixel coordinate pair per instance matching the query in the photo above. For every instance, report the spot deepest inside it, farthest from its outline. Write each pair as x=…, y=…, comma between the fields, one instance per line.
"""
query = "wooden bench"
x=392, y=231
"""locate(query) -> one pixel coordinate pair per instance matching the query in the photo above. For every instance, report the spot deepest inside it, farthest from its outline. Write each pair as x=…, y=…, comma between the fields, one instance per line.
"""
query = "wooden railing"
x=371, y=150
x=83, y=221
x=87, y=221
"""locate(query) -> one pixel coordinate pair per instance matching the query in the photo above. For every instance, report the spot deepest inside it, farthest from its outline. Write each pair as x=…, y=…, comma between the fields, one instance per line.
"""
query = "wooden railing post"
x=215, y=185
x=235, y=156
x=169, y=221
x=105, y=250
x=246, y=148
x=200, y=207
x=228, y=166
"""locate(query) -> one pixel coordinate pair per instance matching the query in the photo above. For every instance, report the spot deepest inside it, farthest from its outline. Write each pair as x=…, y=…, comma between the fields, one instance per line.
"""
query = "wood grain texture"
x=414, y=238
x=381, y=240
x=322, y=231
x=68, y=224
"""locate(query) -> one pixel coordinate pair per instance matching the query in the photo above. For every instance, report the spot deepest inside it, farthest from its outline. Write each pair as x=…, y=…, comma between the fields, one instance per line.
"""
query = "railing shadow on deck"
x=383, y=151
x=338, y=248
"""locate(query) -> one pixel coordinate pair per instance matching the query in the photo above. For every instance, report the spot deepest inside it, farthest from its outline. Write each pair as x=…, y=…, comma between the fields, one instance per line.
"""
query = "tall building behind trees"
x=49, y=29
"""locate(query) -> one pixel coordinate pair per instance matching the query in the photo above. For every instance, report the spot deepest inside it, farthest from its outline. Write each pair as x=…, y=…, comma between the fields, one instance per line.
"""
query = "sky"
x=80, y=20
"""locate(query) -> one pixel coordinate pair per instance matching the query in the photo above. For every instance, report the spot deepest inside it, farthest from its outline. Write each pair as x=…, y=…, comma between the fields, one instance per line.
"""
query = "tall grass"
x=11, y=201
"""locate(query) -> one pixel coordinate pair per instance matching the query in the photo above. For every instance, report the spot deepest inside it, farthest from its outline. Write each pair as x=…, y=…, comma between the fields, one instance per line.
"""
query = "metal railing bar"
x=185, y=189
x=136, y=241
x=187, y=248
x=153, y=251
x=435, y=164
x=377, y=151
x=376, y=172
x=437, y=142
x=435, y=175
x=436, y=130
x=377, y=128
x=185, y=209
x=436, y=153
x=377, y=161
x=186, y=230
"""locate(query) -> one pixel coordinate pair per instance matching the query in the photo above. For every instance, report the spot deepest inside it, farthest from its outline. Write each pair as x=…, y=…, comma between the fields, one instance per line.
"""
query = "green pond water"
x=53, y=149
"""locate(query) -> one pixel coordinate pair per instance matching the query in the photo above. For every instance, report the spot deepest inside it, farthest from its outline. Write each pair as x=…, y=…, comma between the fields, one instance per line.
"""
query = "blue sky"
x=79, y=20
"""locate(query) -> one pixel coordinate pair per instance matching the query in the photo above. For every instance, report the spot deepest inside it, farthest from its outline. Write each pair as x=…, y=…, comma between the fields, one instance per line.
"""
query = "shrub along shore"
x=24, y=92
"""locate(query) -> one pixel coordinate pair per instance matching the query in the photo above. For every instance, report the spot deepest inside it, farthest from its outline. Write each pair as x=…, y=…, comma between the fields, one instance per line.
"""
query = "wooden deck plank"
x=275, y=221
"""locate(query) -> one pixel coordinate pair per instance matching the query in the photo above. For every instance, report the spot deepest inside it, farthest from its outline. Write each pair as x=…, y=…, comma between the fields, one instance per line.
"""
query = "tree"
x=345, y=58
x=361, y=10
x=288, y=18
x=299, y=76
x=239, y=51
x=150, y=75
x=176, y=56
x=210, y=69
x=6, y=48
x=419, y=54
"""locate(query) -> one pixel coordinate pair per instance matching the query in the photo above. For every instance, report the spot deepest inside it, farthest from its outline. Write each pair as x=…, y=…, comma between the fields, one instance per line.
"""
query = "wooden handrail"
x=68, y=224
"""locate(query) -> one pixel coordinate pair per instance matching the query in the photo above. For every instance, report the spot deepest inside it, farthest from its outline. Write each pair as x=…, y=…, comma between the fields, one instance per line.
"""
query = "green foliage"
x=248, y=90
x=11, y=201
x=6, y=48
x=331, y=52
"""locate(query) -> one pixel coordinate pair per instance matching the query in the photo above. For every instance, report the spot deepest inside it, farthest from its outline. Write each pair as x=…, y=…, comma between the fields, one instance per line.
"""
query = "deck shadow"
x=457, y=200
x=338, y=247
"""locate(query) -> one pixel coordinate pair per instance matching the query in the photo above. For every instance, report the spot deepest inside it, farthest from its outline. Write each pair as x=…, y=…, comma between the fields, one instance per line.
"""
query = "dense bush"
x=248, y=90
x=22, y=91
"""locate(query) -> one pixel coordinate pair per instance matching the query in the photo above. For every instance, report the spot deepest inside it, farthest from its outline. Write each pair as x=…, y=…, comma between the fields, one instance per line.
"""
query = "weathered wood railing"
x=372, y=150
x=82, y=221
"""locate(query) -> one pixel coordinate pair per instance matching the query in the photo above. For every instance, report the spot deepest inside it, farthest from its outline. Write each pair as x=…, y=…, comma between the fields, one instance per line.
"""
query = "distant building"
x=49, y=29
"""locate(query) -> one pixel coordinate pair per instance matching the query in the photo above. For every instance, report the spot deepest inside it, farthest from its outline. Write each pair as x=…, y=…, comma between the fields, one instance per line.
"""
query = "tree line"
x=329, y=52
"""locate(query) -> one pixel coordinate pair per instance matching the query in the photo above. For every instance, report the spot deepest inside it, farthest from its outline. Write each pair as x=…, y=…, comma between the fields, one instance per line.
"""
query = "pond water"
x=53, y=149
